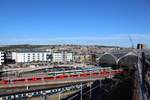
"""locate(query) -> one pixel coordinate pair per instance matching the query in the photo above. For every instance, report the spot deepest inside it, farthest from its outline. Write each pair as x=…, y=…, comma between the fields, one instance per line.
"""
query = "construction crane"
x=131, y=41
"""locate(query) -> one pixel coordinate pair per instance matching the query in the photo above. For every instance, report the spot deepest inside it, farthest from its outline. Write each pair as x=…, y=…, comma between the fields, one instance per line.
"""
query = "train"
x=85, y=72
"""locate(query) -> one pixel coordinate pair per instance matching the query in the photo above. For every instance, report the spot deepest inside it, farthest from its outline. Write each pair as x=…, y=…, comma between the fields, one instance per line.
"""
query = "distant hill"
x=28, y=46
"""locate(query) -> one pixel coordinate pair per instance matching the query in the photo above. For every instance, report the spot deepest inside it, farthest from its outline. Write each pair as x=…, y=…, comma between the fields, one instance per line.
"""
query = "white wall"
x=69, y=56
x=41, y=56
x=57, y=57
x=30, y=56
x=1, y=57
x=62, y=57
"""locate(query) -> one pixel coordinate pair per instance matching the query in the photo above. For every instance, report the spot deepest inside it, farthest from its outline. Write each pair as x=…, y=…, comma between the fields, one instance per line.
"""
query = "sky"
x=101, y=22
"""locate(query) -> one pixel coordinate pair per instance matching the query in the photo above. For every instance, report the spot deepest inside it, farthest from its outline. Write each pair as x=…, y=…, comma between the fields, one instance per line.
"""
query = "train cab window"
x=12, y=96
x=17, y=96
x=53, y=90
x=59, y=89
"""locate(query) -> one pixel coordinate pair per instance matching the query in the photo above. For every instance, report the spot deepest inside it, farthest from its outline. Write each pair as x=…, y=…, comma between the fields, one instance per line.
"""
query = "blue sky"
x=103, y=22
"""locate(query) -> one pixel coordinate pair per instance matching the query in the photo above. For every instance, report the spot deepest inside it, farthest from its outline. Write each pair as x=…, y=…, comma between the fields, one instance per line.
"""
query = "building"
x=81, y=58
x=32, y=56
x=85, y=58
x=28, y=56
x=92, y=59
x=1, y=57
x=141, y=46
x=62, y=56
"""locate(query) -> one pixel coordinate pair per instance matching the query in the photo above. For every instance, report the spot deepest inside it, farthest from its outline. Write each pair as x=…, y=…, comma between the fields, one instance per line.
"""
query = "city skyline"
x=108, y=22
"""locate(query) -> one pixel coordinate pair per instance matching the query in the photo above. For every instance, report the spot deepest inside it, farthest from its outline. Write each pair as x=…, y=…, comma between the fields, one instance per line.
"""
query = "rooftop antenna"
x=131, y=41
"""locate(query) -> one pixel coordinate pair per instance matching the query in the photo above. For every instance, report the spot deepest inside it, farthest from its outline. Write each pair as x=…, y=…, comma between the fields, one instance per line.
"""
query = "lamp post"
x=81, y=92
x=90, y=86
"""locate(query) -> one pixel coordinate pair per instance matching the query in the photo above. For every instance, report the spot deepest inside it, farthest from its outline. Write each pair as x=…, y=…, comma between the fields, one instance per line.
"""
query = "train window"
x=77, y=86
x=41, y=92
x=26, y=94
x=44, y=93
x=7, y=97
x=1, y=98
x=53, y=90
x=37, y=93
x=68, y=88
x=48, y=91
x=29, y=95
x=32, y=94
x=22, y=95
x=59, y=89
x=17, y=96
x=12, y=96
x=72, y=86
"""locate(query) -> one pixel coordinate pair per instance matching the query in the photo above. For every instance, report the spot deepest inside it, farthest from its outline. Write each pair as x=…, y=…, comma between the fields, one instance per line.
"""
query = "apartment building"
x=1, y=57
x=32, y=56
x=59, y=56
x=62, y=56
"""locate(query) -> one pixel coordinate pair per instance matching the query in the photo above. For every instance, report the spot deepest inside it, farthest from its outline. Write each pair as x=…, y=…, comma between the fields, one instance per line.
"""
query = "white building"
x=1, y=57
x=31, y=56
x=62, y=56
